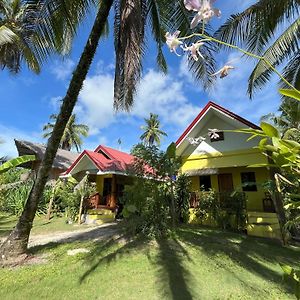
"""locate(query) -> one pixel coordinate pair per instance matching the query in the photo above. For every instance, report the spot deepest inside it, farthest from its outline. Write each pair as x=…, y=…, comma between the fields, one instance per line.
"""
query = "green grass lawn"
x=40, y=225
x=197, y=263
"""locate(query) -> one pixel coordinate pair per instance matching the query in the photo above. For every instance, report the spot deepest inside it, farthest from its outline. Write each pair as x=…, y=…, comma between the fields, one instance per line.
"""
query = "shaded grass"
x=196, y=263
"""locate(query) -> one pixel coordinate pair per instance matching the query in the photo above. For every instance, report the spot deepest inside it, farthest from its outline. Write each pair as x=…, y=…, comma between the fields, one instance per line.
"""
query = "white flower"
x=223, y=71
x=204, y=9
x=196, y=141
x=172, y=41
x=213, y=133
x=194, y=50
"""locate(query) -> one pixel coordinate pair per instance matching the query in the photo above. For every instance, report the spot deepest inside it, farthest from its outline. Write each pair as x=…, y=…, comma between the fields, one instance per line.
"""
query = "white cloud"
x=95, y=106
x=62, y=69
x=55, y=102
x=165, y=96
x=8, y=134
x=156, y=93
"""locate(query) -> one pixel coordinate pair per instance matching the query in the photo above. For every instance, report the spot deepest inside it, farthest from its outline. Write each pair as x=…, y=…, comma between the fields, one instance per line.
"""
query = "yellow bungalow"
x=108, y=169
x=217, y=159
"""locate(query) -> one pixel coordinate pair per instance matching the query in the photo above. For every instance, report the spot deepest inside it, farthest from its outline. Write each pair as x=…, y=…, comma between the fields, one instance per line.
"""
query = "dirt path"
x=93, y=233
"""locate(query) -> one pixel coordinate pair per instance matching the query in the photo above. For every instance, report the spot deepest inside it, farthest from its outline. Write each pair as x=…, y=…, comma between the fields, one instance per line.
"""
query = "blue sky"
x=28, y=99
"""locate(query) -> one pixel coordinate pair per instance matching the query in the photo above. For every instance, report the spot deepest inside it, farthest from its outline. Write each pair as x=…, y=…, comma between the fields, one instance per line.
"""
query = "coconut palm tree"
x=270, y=29
x=130, y=22
x=72, y=134
x=152, y=134
x=26, y=34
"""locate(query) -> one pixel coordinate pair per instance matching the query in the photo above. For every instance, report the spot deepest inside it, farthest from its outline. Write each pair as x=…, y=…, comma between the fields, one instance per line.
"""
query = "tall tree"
x=270, y=29
x=152, y=133
x=72, y=133
x=131, y=19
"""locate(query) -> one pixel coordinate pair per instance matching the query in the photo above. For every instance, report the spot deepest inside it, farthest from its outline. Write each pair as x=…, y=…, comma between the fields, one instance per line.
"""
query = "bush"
x=146, y=208
x=182, y=197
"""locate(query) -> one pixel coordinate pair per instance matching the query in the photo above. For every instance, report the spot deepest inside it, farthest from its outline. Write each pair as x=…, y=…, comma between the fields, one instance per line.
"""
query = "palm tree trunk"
x=16, y=243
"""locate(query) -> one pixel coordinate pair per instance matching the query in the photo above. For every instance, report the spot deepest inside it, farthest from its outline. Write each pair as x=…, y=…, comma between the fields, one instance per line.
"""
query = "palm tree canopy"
x=270, y=29
x=31, y=30
x=73, y=133
x=132, y=19
x=152, y=133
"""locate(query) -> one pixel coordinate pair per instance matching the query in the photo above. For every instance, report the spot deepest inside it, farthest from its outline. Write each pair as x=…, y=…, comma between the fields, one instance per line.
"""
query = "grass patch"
x=197, y=263
x=40, y=225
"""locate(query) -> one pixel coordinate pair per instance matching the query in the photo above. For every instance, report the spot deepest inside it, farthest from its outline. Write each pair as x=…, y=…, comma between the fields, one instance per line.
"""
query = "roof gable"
x=211, y=105
x=106, y=160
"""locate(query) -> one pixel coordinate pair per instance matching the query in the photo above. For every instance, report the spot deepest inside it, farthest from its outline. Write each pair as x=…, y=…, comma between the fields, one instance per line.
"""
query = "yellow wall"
x=100, y=182
x=223, y=160
x=254, y=199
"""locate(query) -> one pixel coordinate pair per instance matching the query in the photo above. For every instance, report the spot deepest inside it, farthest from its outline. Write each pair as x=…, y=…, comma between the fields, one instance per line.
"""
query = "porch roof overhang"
x=202, y=172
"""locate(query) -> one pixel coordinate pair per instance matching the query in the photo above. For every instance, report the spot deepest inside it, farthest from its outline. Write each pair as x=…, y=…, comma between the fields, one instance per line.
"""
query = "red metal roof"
x=220, y=108
x=108, y=159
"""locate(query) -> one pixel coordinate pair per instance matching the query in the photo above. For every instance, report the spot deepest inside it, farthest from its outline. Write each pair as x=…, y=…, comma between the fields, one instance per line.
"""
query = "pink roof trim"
x=222, y=109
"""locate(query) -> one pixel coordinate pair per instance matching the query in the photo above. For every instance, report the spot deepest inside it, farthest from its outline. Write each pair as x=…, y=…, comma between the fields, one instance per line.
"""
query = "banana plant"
x=15, y=162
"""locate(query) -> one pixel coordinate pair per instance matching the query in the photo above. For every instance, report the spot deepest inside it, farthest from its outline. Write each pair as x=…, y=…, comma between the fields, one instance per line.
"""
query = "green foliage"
x=182, y=197
x=146, y=208
x=73, y=133
x=13, y=199
x=68, y=195
x=293, y=275
x=12, y=163
x=294, y=94
x=149, y=205
x=227, y=210
x=152, y=133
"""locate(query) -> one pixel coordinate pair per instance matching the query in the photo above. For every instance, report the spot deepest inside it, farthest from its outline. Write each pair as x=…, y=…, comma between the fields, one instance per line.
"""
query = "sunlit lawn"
x=40, y=225
x=197, y=263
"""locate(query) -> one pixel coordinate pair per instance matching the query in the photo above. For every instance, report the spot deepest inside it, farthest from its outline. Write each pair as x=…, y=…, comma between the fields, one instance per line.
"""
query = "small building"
x=218, y=159
x=110, y=169
x=61, y=163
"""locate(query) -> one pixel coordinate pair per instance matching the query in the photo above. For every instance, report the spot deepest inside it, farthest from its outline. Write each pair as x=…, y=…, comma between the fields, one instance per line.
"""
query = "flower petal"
x=194, y=5
x=196, y=20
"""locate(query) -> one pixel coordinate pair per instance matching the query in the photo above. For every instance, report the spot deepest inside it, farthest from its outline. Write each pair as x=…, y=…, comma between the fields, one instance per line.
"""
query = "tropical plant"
x=288, y=121
x=152, y=133
x=12, y=163
x=131, y=18
x=269, y=29
x=72, y=135
x=149, y=205
x=182, y=197
x=27, y=32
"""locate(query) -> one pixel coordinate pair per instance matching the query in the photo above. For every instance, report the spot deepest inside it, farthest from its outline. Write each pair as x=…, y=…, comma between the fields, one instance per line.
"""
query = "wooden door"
x=225, y=183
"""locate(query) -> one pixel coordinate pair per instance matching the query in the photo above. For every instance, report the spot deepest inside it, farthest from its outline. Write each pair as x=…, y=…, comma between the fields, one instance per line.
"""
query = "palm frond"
x=7, y=36
x=130, y=16
x=285, y=46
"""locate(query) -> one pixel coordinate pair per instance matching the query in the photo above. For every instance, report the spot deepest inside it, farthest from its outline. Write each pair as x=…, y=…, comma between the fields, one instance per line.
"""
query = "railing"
x=223, y=200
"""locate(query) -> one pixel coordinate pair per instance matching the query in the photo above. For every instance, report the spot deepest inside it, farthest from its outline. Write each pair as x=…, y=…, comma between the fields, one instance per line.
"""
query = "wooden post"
x=80, y=209
x=113, y=202
x=50, y=205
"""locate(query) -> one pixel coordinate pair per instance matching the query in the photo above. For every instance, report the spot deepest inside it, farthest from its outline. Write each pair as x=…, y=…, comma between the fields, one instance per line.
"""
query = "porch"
x=234, y=206
x=104, y=205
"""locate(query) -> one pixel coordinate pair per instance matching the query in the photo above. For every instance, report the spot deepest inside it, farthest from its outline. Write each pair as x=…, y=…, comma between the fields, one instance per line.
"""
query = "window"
x=217, y=136
x=248, y=182
x=205, y=182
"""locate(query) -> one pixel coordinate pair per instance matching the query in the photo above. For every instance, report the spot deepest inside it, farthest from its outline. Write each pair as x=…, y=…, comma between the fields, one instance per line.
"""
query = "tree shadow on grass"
x=252, y=254
x=110, y=251
x=171, y=269
x=168, y=260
